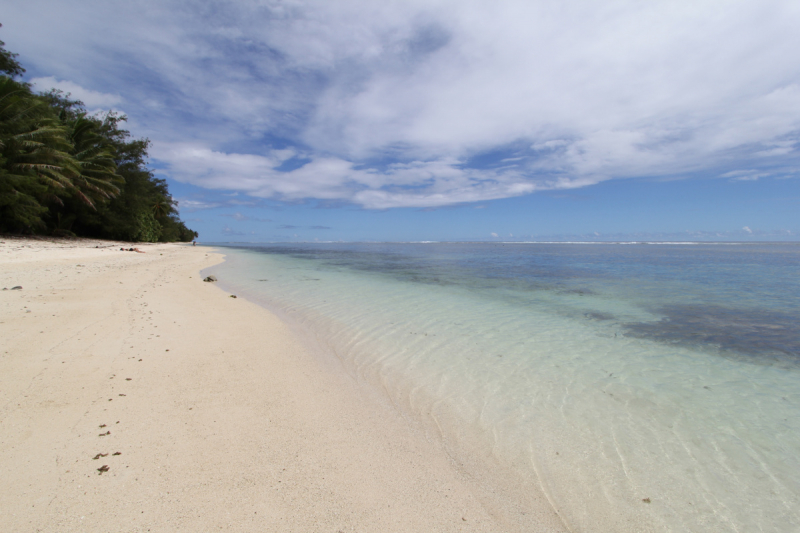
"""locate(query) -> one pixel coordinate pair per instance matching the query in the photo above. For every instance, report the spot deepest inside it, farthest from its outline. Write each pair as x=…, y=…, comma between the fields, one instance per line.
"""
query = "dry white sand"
x=207, y=410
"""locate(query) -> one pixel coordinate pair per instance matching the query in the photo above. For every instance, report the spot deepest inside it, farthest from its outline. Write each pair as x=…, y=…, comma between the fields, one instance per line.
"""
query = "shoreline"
x=227, y=420
x=501, y=484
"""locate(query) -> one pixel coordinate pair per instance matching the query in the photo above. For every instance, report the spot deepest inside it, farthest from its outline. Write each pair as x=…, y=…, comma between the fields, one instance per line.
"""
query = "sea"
x=631, y=386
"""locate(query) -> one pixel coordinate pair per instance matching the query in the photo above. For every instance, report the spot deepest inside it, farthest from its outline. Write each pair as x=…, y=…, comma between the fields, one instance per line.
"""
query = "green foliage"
x=63, y=172
x=36, y=165
x=97, y=177
x=8, y=62
x=149, y=230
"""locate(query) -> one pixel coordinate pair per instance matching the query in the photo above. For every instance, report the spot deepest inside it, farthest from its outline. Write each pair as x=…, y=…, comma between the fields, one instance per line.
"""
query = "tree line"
x=64, y=172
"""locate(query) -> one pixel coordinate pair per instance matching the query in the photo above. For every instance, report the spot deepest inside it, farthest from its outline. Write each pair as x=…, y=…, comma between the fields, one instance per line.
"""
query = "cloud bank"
x=92, y=99
x=423, y=104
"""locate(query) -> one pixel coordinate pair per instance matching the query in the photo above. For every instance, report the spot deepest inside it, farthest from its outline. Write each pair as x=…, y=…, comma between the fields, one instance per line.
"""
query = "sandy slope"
x=222, y=420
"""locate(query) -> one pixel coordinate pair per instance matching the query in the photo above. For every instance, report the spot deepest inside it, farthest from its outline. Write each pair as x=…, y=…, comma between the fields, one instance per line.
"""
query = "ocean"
x=634, y=386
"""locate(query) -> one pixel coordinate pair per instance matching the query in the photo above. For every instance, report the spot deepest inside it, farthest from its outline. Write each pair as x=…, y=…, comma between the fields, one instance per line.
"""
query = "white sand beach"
x=207, y=410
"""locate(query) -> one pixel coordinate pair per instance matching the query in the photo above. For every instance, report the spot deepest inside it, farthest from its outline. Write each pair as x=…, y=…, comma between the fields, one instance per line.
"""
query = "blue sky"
x=445, y=120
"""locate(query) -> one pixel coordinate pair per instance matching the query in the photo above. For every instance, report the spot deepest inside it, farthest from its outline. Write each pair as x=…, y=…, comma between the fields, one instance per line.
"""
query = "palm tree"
x=34, y=154
x=163, y=206
x=97, y=177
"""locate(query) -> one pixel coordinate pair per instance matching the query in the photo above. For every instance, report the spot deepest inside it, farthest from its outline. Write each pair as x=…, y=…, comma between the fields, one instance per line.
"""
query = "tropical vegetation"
x=64, y=172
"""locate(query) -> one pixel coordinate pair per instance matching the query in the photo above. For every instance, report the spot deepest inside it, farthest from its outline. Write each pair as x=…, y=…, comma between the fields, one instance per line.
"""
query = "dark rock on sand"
x=210, y=278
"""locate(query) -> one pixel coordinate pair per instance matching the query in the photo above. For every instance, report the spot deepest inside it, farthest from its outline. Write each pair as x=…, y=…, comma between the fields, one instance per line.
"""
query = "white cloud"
x=550, y=145
x=587, y=91
x=746, y=175
x=196, y=205
x=232, y=232
x=415, y=184
x=92, y=99
x=748, y=230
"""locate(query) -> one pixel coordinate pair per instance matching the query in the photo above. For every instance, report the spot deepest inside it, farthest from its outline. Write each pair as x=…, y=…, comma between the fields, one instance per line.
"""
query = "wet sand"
x=136, y=397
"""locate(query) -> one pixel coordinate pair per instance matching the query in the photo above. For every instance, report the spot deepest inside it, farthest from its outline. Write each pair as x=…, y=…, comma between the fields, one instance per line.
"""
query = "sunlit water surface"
x=639, y=386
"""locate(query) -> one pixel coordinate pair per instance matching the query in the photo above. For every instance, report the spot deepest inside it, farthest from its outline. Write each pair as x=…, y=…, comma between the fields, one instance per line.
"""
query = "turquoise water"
x=639, y=387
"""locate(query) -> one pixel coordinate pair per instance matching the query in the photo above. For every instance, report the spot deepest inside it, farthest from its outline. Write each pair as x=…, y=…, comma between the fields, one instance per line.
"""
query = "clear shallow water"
x=600, y=374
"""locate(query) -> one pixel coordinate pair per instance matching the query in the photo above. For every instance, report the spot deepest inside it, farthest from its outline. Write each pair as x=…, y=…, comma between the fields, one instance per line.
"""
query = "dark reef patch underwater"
x=756, y=336
x=694, y=292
